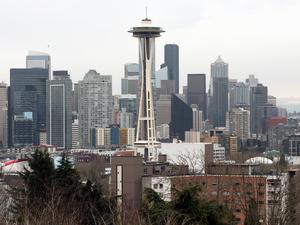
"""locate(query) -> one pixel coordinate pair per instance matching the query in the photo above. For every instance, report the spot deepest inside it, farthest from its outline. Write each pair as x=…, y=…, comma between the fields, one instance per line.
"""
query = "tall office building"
x=146, y=134
x=129, y=103
x=218, y=93
x=40, y=60
x=196, y=92
x=126, y=119
x=75, y=98
x=59, y=110
x=181, y=118
x=197, y=119
x=131, y=69
x=172, y=63
x=241, y=94
x=238, y=122
x=163, y=85
x=27, y=102
x=3, y=115
x=251, y=81
x=163, y=108
x=95, y=104
x=231, y=88
x=130, y=82
x=258, y=98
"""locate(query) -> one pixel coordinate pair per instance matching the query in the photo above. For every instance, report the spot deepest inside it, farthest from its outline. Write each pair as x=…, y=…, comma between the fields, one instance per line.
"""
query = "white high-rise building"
x=75, y=142
x=126, y=119
x=163, y=131
x=238, y=122
x=197, y=120
x=3, y=115
x=95, y=104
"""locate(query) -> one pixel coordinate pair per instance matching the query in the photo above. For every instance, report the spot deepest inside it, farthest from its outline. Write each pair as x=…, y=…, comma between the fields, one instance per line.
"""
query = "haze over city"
x=253, y=37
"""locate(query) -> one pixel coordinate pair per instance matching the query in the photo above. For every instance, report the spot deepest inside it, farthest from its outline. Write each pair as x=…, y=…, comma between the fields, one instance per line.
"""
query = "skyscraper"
x=172, y=62
x=95, y=104
x=3, y=115
x=146, y=134
x=27, y=99
x=163, y=108
x=218, y=92
x=181, y=118
x=258, y=98
x=238, y=122
x=196, y=92
x=130, y=82
x=40, y=60
x=59, y=110
x=241, y=94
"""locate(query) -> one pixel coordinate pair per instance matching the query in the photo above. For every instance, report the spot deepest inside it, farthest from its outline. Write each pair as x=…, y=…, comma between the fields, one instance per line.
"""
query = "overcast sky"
x=260, y=37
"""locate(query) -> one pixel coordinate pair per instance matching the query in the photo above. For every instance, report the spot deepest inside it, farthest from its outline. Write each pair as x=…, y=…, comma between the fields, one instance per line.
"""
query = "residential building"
x=75, y=134
x=95, y=104
x=3, y=115
x=238, y=122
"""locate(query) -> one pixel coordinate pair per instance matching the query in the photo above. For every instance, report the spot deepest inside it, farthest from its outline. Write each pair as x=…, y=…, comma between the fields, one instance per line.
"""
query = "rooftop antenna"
x=146, y=12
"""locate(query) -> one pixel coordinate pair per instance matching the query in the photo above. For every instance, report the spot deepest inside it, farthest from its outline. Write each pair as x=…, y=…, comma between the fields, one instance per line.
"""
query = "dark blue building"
x=114, y=135
x=172, y=62
x=181, y=118
x=27, y=94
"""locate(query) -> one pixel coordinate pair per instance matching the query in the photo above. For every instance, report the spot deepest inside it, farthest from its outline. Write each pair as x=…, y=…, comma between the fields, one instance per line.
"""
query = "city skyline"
x=257, y=41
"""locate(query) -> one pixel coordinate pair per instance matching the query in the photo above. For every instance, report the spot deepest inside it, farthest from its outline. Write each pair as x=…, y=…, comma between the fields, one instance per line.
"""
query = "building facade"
x=59, y=110
x=3, y=115
x=181, y=118
x=27, y=95
x=218, y=92
x=238, y=122
x=95, y=104
x=172, y=62
x=196, y=92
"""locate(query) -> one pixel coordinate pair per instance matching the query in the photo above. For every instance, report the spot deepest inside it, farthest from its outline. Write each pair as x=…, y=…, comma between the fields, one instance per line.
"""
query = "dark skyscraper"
x=258, y=99
x=59, y=110
x=196, y=92
x=181, y=118
x=218, y=93
x=27, y=104
x=172, y=62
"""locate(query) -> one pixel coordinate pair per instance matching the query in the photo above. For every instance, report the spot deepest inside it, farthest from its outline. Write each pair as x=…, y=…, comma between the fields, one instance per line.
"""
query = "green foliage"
x=56, y=192
x=186, y=208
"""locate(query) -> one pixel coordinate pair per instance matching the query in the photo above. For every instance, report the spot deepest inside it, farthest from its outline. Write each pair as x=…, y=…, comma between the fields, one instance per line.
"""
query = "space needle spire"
x=146, y=134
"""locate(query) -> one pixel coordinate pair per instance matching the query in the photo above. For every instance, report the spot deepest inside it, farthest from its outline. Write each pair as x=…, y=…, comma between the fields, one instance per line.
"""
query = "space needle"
x=146, y=134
